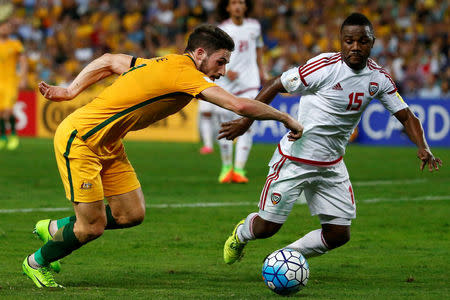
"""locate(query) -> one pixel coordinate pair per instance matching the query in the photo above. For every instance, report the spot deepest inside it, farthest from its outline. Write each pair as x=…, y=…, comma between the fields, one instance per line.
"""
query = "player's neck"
x=237, y=20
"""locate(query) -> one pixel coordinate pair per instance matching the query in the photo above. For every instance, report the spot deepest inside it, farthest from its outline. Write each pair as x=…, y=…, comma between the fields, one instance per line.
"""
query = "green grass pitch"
x=399, y=247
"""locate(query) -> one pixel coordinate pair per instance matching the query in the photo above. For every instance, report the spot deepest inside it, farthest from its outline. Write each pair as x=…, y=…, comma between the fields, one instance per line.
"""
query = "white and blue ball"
x=285, y=271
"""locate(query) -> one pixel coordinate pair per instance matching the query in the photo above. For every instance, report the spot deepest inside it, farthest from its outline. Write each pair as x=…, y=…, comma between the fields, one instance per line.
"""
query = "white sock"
x=206, y=130
x=226, y=151
x=243, y=145
x=32, y=262
x=310, y=245
x=245, y=231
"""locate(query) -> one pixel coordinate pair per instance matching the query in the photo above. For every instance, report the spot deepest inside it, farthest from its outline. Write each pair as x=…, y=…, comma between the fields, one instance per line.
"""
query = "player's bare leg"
x=127, y=209
x=89, y=224
x=314, y=243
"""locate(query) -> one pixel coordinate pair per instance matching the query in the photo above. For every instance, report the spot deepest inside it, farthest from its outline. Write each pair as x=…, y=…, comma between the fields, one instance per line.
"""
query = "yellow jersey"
x=149, y=91
x=10, y=50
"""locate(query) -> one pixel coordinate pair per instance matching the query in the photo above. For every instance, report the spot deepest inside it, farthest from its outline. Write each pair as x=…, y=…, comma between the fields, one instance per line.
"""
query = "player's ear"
x=201, y=53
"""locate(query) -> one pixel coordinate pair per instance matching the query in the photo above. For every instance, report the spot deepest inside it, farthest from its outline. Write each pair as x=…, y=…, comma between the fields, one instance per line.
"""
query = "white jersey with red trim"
x=247, y=37
x=333, y=99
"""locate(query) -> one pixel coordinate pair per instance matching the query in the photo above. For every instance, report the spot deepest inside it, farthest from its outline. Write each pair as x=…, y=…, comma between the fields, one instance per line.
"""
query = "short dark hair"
x=357, y=19
x=209, y=37
x=222, y=9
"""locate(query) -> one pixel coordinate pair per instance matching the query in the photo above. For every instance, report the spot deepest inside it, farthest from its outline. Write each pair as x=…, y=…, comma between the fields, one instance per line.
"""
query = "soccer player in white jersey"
x=243, y=78
x=335, y=89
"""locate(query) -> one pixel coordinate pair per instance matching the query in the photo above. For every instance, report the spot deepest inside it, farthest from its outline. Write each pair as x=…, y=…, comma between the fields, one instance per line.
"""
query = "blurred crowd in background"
x=61, y=36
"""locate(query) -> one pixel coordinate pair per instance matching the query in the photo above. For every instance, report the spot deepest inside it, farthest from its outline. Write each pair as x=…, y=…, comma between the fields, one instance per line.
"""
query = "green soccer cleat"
x=13, y=142
x=233, y=248
x=239, y=176
x=41, y=277
x=42, y=230
x=226, y=174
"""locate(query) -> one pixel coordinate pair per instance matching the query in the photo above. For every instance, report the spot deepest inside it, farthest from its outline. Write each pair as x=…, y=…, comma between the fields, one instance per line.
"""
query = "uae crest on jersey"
x=275, y=198
x=373, y=88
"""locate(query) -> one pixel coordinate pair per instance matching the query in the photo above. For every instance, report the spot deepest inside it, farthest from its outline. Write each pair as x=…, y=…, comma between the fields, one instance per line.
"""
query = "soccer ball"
x=285, y=271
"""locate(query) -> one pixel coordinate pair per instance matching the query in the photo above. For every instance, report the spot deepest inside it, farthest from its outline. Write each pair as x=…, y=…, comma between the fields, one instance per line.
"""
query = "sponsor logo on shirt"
x=275, y=198
x=337, y=87
x=373, y=88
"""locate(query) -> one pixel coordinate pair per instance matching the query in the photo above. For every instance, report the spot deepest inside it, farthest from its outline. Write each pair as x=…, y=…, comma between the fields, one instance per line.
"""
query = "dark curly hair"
x=209, y=37
x=222, y=9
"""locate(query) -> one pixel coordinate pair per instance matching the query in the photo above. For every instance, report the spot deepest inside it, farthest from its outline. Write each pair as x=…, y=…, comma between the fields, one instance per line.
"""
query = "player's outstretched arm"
x=98, y=69
x=252, y=109
x=415, y=133
x=233, y=129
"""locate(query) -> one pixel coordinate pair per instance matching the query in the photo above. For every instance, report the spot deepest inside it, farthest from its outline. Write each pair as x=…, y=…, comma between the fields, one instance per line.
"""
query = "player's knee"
x=136, y=218
x=341, y=239
x=133, y=218
x=89, y=232
x=96, y=232
x=335, y=235
x=264, y=229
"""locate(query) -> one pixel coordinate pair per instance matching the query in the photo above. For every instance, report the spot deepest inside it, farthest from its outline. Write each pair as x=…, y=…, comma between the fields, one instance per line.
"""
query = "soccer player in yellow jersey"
x=88, y=143
x=11, y=53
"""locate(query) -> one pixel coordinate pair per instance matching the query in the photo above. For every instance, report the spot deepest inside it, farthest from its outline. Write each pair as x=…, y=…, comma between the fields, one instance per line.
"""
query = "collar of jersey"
x=187, y=54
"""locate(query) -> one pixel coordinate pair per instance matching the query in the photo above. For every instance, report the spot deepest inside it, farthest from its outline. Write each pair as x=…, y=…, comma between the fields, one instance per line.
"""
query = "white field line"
x=224, y=204
x=421, y=198
x=389, y=182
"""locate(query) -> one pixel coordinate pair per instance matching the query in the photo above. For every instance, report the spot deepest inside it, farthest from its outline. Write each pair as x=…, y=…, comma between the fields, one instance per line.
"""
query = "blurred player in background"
x=88, y=143
x=335, y=89
x=12, y=55
x=243, y=78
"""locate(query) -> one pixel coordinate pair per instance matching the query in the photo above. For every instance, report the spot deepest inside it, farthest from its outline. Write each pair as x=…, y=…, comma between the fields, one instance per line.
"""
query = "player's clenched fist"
x=54, y=93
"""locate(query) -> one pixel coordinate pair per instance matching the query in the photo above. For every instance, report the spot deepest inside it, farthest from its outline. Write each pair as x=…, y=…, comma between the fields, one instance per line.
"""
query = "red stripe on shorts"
x=270, y=178
x=351, y=194
x=275, y=166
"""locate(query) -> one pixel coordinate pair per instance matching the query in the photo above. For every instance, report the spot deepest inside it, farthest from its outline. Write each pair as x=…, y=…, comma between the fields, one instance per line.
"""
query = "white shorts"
x=206, y=107
x=224, y=115
x=328, y=190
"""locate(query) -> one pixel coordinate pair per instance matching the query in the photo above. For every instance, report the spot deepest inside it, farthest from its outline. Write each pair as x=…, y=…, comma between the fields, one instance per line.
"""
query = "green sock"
x=110, y=221
x=62, y=244
x=2, y=128
x=64, y=221
x=12, y=123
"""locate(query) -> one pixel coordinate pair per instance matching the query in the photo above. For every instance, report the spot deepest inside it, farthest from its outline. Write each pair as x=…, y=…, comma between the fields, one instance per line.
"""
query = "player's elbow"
x=242, y=107
x=107, y=58
x=112, y=63
x=107, y=61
